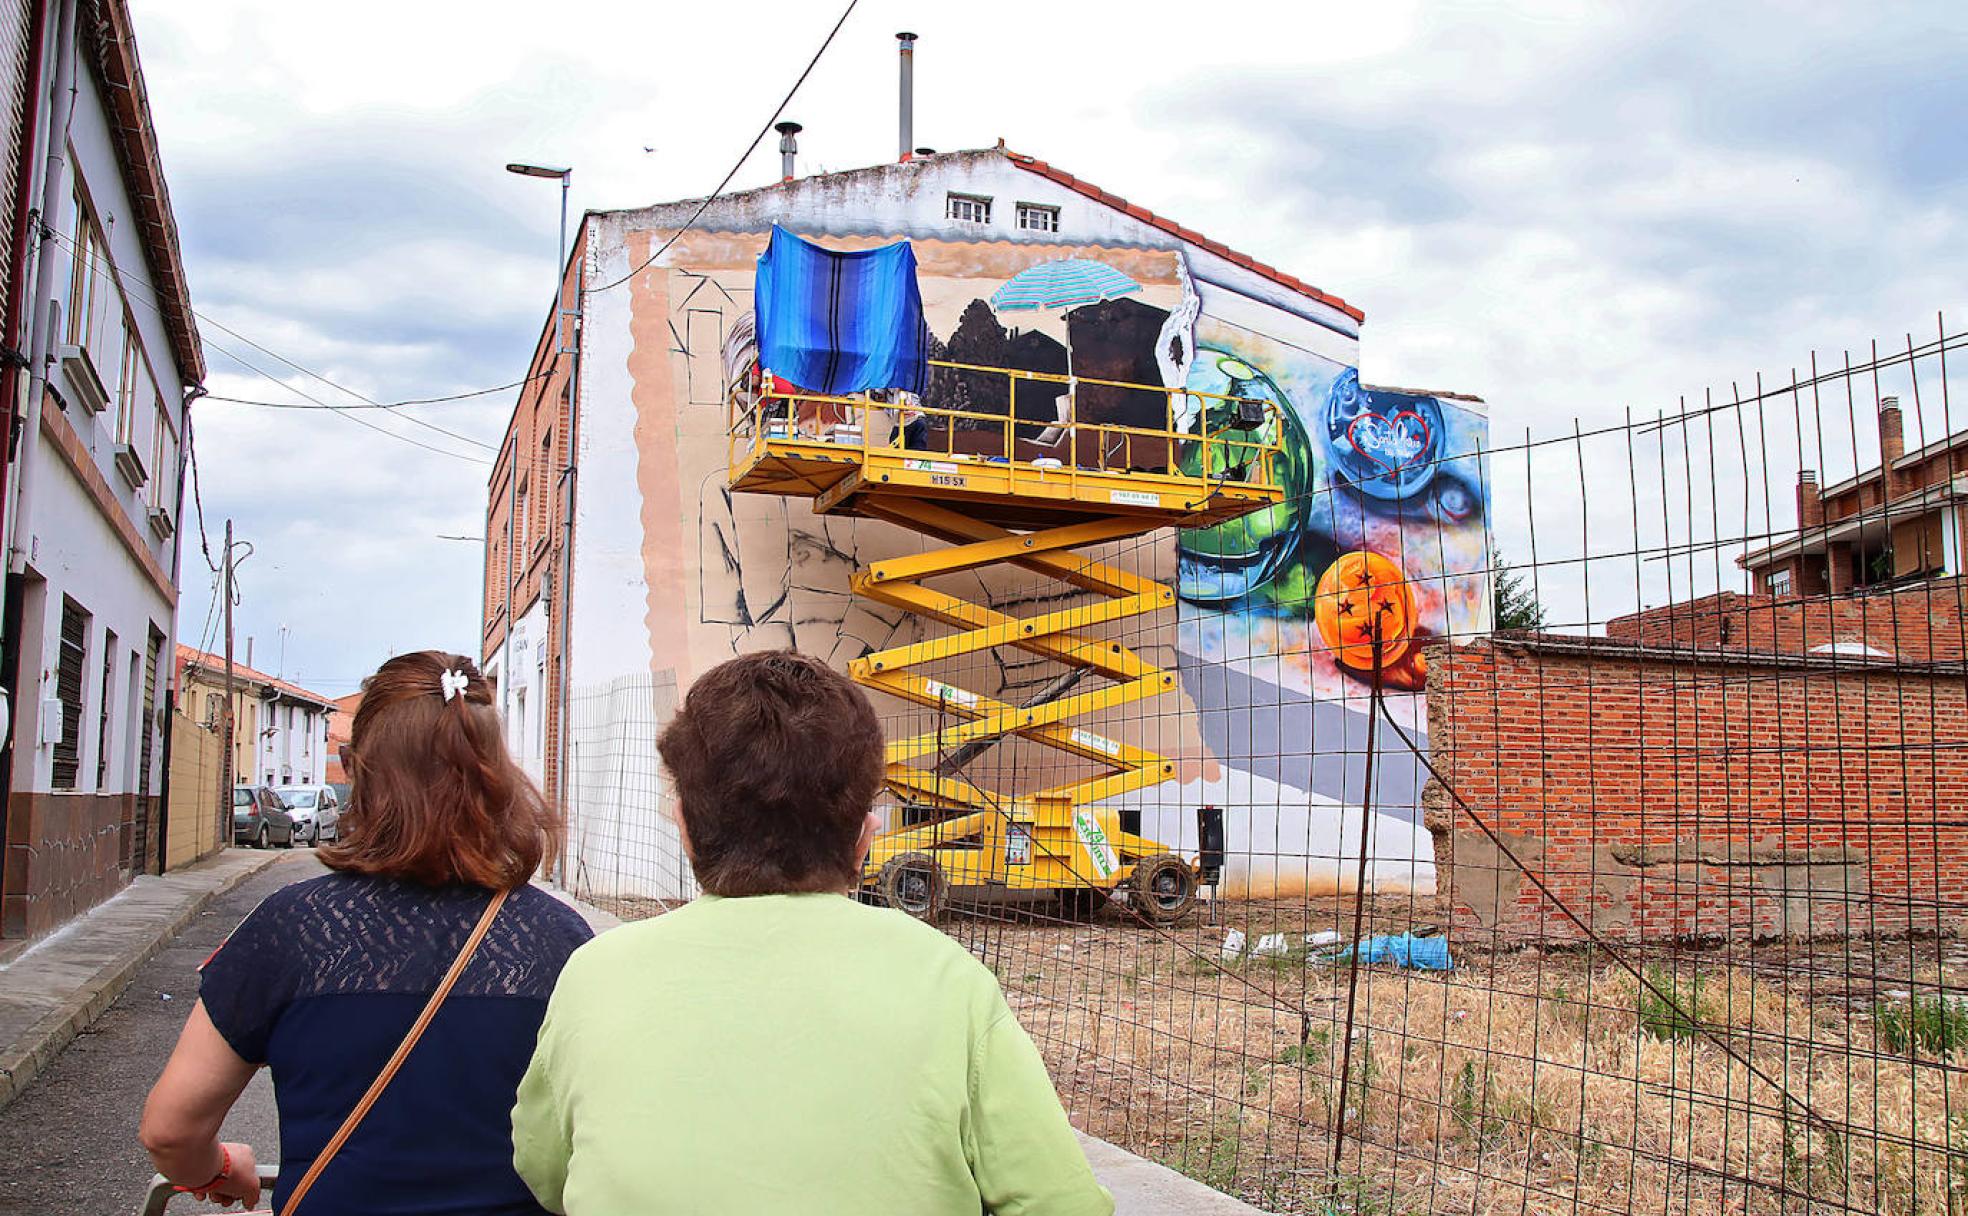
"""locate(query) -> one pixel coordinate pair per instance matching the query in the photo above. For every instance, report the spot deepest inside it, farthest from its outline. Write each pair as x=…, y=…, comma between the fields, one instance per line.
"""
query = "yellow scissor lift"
x=979, y=484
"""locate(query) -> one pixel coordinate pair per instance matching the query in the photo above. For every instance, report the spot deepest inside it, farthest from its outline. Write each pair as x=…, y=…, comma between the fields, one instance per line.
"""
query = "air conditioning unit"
x=161, y=523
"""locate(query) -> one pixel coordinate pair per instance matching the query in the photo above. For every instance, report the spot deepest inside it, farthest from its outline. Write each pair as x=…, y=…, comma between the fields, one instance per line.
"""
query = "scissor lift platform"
x=999, y=501
x=841, y=477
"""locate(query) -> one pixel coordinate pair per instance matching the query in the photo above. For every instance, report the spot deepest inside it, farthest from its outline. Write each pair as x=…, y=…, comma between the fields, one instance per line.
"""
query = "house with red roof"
x=280, y=729
x=619, y=564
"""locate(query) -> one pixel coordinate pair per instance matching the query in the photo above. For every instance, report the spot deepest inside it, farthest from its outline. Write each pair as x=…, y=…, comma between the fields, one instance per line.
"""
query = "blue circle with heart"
x=1382, y=442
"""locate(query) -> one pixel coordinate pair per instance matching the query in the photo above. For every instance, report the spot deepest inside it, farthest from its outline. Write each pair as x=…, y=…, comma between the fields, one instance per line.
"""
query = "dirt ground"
x=1747, y=1077
x=1782, y=1077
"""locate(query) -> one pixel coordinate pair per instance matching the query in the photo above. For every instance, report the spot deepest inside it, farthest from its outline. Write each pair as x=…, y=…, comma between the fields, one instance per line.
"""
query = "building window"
x=129, y=376
x=102, y=712
x=1778, y=582
x=214, y=709
x=69, y=668
x=164, y=458
x=543, y=473
x=967, y=209
x=1034, y=218
x=520, y=520
x=85, y=271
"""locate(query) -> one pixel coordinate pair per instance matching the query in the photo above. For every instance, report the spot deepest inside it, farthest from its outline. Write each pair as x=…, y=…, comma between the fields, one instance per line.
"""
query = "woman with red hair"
x=427, y=924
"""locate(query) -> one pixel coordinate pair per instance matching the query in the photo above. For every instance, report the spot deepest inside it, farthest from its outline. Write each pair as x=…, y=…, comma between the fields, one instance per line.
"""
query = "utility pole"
x=228, y=778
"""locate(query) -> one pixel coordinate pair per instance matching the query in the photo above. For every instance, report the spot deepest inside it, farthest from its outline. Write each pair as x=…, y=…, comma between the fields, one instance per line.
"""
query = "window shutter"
x=69, y=669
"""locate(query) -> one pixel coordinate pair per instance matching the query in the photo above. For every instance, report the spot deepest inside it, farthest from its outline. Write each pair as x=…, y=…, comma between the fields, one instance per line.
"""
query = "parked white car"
x=317, y=812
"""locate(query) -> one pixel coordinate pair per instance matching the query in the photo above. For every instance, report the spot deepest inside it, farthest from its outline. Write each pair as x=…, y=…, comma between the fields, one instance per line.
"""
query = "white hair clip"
x=453, y=683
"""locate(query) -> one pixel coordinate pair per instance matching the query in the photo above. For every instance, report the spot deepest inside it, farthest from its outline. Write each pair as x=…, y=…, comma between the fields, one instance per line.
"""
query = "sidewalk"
x=1140, y=1186
x=52, y=989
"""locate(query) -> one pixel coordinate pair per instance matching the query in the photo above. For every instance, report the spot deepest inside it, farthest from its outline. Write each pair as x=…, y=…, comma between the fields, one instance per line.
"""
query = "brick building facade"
x=1897, y=522
x=1736, y=766
x=527, y=523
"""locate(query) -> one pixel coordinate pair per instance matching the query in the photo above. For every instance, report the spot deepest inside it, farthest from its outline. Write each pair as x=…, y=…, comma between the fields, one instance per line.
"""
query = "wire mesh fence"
x=1623, y=875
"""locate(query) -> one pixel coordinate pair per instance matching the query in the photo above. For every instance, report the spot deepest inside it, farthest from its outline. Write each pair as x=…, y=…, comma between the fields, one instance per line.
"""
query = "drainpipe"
x=42, y=317
x=506, y=593
x=13, y=331
x=564, y=582
x=170, y=705
x=15, y=359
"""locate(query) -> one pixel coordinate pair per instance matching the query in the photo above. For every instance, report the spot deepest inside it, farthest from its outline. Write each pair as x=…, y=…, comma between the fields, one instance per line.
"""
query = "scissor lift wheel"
x=914, y=883
x=1163, y=888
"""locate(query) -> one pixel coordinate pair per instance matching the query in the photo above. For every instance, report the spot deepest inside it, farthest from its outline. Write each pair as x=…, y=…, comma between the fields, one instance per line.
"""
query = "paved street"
x=71, y=1140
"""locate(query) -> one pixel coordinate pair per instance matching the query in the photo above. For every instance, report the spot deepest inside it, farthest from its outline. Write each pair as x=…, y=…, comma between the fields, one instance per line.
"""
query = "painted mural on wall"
x=1381, y=535
x=1384, y=521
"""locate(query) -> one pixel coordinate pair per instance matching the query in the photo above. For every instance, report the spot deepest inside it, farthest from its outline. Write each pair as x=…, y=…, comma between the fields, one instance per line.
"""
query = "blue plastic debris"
x=1406, y=950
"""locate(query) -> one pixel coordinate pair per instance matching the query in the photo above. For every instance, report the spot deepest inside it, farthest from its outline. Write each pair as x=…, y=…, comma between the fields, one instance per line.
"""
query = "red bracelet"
x=225, y=1171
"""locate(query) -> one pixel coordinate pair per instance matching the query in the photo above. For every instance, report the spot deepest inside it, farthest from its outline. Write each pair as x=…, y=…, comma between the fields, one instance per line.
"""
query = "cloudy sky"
x=1569, y=210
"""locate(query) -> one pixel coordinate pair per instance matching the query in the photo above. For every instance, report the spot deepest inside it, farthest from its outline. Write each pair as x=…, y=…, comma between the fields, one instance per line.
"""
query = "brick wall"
x=1920, y=622
x=1662, y=793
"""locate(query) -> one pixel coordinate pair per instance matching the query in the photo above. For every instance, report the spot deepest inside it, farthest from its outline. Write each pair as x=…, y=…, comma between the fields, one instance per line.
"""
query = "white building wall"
x=519, y=666
x=56, y=534
x=292, y=748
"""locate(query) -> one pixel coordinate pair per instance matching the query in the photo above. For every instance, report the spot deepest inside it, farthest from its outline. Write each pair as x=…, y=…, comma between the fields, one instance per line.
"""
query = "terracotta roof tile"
x=188, y=657
x=1033, y=164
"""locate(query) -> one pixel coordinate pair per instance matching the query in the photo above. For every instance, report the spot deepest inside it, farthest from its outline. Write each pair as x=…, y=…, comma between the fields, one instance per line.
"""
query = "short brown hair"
x=434, y=796
x=776, y=758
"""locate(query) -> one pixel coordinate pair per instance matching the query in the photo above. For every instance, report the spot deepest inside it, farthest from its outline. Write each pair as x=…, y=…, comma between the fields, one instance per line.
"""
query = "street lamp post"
x=566, y=177
x=566, y=325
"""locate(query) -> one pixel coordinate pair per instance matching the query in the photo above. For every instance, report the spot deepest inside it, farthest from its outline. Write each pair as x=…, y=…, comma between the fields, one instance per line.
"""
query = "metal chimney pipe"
x=788, y=146
x=907, y=142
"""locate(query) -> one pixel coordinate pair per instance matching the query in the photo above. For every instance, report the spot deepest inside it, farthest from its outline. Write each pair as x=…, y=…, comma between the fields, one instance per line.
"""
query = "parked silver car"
x=260, y=817
x=317, y=812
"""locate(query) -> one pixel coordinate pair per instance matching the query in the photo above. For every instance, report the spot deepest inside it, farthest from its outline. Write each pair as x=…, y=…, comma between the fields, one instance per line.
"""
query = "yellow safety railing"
x=760, y=416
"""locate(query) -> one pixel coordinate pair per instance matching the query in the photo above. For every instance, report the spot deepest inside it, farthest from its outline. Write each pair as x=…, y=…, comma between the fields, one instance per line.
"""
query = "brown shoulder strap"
x=384, y=1077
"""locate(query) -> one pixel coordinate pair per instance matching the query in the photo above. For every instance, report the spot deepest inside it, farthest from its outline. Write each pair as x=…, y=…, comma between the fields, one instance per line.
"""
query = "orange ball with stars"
x=1356, y=591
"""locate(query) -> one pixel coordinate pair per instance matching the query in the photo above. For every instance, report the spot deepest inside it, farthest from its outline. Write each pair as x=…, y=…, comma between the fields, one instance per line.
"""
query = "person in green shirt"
x=775, y=1046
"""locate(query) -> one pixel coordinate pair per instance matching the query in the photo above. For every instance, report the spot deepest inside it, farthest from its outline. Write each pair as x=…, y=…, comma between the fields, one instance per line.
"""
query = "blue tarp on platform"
x=840, y=322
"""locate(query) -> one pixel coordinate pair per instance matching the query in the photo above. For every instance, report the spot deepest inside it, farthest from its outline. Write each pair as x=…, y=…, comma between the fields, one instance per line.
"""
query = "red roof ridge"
x=205, y=659
x=1033, y=164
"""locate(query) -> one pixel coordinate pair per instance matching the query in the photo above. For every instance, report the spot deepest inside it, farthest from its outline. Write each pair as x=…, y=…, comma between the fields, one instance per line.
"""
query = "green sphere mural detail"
x=1243, y=557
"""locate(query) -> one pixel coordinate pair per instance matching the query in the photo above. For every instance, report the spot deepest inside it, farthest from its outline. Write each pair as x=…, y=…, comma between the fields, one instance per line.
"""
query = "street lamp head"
x=536, y=170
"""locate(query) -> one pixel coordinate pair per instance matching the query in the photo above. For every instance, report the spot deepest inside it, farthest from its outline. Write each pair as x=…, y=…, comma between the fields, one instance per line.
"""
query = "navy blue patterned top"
x=322, y=981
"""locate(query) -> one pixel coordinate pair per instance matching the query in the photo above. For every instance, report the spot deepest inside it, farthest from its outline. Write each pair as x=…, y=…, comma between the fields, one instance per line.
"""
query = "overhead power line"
x=317, y=403
x=340, y=388
x=393, y=407
x=380, y=405
x=740, y=163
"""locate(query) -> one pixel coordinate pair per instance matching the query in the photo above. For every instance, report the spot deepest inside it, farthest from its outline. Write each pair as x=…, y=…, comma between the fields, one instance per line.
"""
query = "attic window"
x=967, y=209
x=1034, y=218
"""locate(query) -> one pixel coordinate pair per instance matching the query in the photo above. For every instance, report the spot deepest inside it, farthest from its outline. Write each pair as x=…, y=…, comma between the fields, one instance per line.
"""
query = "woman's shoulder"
x=540, y=911
x=307, y=898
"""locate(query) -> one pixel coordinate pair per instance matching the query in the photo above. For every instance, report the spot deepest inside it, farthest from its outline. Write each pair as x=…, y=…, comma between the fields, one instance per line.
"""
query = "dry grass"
x=1517, y=1083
